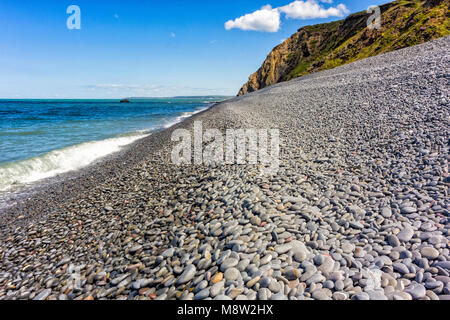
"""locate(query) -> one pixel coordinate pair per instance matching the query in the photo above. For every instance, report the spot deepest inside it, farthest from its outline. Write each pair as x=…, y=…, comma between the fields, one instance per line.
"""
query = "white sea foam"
x=68, y=159
x=60, y=161
x=183, y=116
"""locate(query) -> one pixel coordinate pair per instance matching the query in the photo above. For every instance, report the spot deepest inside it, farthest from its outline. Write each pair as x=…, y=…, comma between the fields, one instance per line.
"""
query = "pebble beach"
x=359, y=208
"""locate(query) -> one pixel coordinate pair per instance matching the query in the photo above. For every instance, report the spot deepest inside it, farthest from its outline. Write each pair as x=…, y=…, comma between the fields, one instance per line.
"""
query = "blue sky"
x=143, y=48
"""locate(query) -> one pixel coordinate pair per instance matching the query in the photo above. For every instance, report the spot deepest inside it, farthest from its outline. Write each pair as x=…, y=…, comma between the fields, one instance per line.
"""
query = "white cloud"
x=311, y=9
x=268, y=19
x=265, y=19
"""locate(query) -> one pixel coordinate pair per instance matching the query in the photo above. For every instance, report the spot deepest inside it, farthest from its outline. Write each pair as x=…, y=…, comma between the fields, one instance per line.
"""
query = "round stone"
x=377, y=295
x=347, y=247
x=340, y=296
x=292, y=274
x=135, y=248
x=300, y=256
x=361, y=296
x=319, y=259
x=386, y=212
x=217, y=288
x=278, y=296
x=393, y=240
x=408, y=210
x=283, y=248
x=252, y=282
x=217, y=278
x=406, y=234
x=275, y=287
x=43, y=295
x=429, y=253
x=202, y=294
x=264, y=282
x=328, y=284
x=229, y=263
x=264, y=294
x=187, y=275
x=416, y=290
x=400, y=267
x=232, y=274
x=359, y=252
x=168, y=253
x=320, y=295
x=339, y=285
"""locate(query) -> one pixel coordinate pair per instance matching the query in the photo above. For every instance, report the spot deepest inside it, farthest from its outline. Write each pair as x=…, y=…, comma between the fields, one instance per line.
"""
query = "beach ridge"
x=358, y=209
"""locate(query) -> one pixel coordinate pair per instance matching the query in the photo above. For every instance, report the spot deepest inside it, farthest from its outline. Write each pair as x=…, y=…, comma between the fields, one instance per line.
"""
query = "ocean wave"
x=61, y=161
x=25, y=172
x=183, y=116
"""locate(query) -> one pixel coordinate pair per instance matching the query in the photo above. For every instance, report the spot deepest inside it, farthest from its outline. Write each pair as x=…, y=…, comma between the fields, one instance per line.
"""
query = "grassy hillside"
x=320, y=47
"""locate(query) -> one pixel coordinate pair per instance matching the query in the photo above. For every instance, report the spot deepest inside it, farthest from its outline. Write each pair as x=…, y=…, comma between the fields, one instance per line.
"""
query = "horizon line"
x=134, y=98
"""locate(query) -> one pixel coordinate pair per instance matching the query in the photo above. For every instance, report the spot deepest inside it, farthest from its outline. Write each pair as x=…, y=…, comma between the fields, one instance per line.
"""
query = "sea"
x=41, y=139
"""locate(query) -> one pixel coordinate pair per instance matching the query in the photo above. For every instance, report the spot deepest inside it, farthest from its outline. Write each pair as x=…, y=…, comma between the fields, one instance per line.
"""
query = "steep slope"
x=320, y=47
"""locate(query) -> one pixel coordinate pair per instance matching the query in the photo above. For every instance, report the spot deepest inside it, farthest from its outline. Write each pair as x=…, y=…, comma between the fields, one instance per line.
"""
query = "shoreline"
x=50, y=184
x=358, y=210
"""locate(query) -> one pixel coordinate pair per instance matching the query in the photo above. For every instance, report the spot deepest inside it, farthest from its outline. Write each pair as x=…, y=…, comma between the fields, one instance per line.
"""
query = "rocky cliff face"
x=404, y=23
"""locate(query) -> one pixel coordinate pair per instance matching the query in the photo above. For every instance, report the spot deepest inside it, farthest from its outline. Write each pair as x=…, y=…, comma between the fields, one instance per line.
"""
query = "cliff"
x=314, y=48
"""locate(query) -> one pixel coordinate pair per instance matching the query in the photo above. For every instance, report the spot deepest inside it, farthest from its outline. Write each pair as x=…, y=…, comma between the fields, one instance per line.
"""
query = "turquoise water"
x=42, y=138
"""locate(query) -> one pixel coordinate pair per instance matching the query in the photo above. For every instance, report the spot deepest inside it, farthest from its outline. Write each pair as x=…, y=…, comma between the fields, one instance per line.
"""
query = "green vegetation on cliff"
x=404, y=23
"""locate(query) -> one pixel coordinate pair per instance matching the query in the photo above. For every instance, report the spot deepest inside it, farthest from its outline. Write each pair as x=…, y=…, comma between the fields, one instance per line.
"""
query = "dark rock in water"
x=125, y=101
